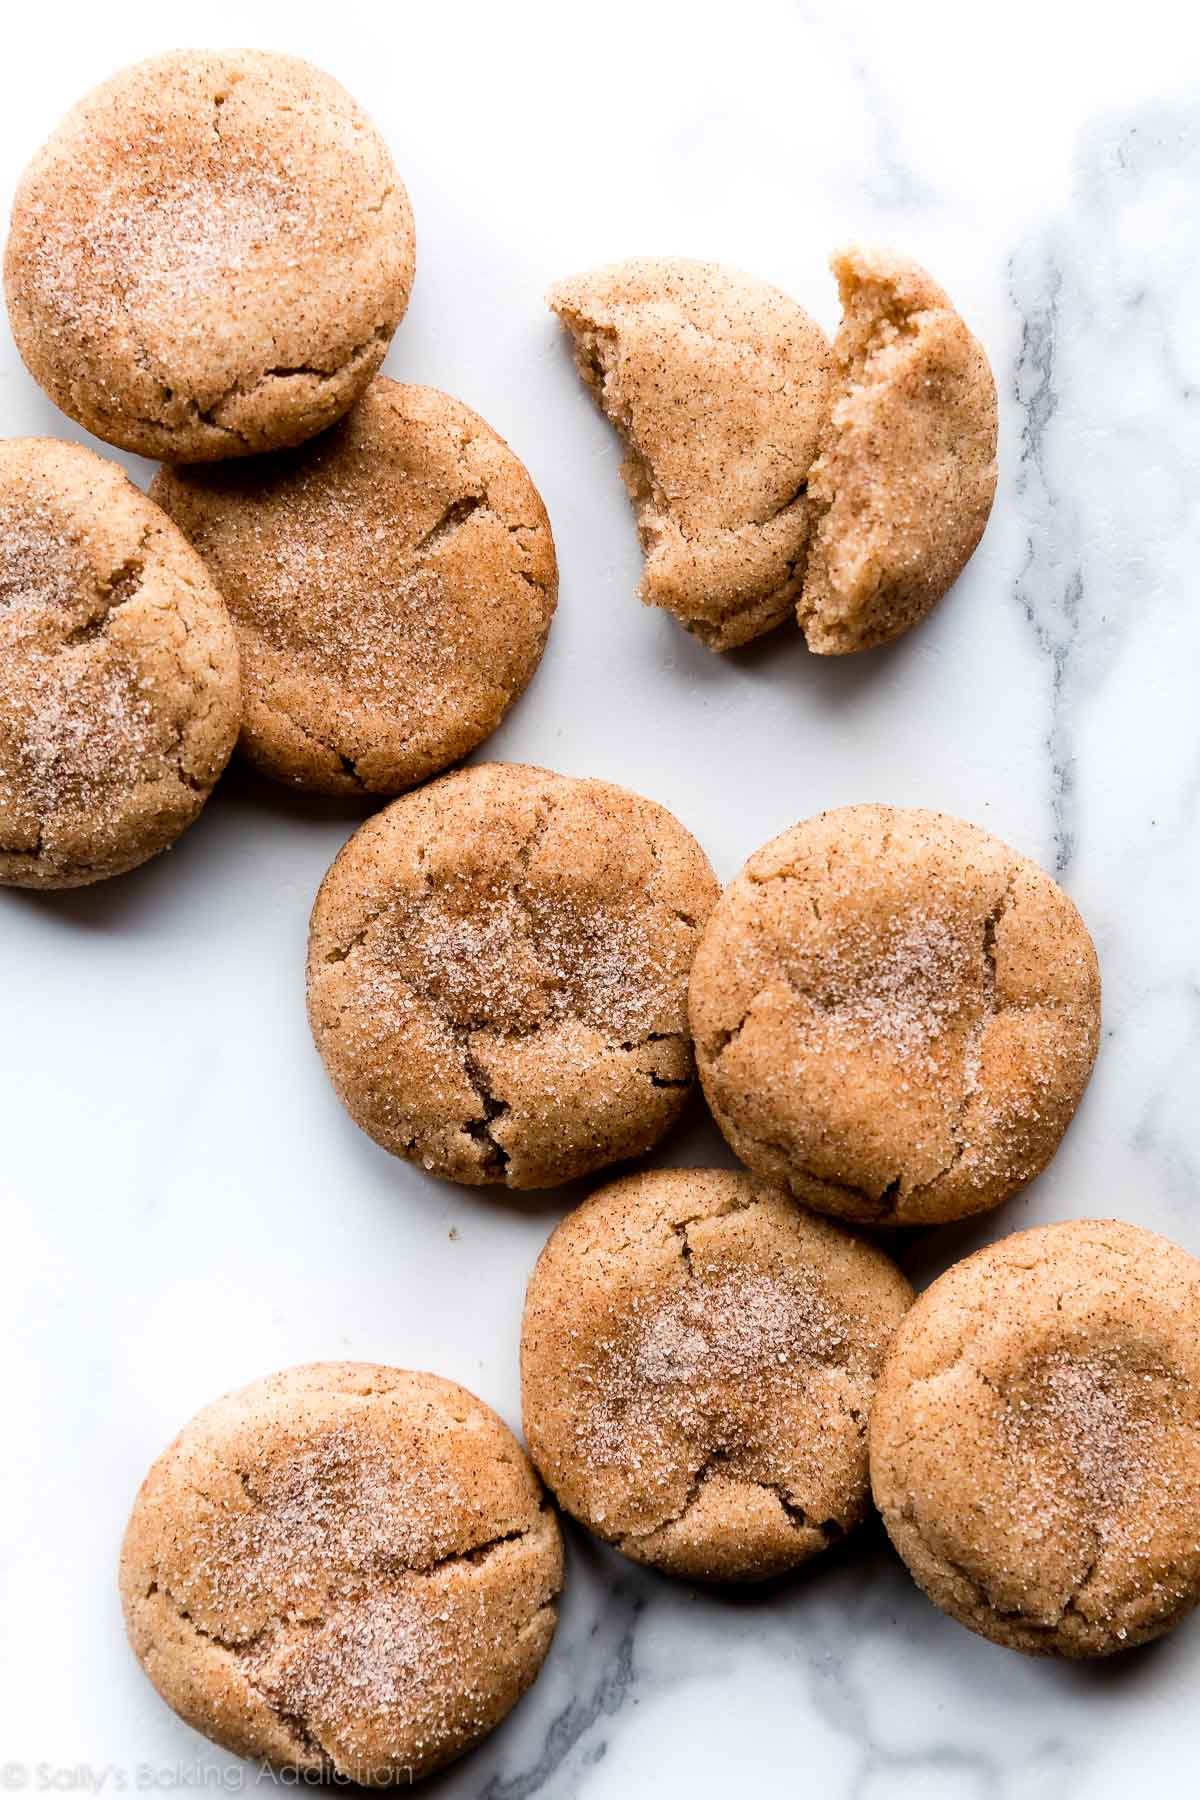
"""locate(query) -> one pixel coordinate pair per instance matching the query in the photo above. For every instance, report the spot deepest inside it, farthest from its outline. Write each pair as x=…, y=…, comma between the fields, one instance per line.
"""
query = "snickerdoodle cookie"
x=209, y=256
x=903, y=485
x=698, y=1357
x=343, y=1569
x=497, y=974
x=895, y=1015
x=391, y=584
x=717, y=384
x=118, y=671
x=1035, y=1441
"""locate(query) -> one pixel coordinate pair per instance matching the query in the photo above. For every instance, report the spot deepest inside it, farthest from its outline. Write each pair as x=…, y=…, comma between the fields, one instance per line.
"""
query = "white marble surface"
x=189, y=1207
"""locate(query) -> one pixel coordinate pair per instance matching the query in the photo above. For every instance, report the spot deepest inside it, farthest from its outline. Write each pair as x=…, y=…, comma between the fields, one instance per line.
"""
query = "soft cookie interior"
x=904, y=482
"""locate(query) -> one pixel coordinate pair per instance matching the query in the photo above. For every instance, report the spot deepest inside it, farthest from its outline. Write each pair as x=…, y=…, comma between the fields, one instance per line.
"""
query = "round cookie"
x=904, y=483
x=344, y=1570
x=718, y=385
x=391, y=585
x=698, y=1358
x=1035, y=1440
x=497, y=974
x=209, y=256
x=118, y=671
x=895, y=1015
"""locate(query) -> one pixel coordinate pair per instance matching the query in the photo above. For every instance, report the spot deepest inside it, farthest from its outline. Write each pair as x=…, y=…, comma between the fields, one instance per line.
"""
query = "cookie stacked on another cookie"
x=208, y=260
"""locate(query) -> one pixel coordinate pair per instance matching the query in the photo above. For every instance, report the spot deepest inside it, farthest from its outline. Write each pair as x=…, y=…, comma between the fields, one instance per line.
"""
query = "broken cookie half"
x=904, y=482
x=768, y=475
x=718, y=384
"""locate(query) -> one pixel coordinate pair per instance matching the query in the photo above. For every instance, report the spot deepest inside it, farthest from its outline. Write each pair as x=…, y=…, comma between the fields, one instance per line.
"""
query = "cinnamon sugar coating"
x=119, y=698
x=391, y=584
x=1035, y=1441
x=343, y=1569
x=895, y=1015
x=497, y=974
x=698, y=1358
x=209, y=256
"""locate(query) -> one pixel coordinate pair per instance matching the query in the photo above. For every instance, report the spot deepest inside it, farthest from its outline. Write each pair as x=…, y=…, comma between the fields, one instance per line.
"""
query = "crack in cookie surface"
x=375, y=1562
x=1035, y=1444
x=392, y=584
x=698, y=1355
x=895, y=1015
x=512, y=1008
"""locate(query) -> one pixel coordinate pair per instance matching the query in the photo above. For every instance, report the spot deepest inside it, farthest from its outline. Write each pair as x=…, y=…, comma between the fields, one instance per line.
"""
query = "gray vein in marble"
x=891, y=181
x=1103, y=481
x=885, y=1768
x=608, y=1691
x=1049, y=586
